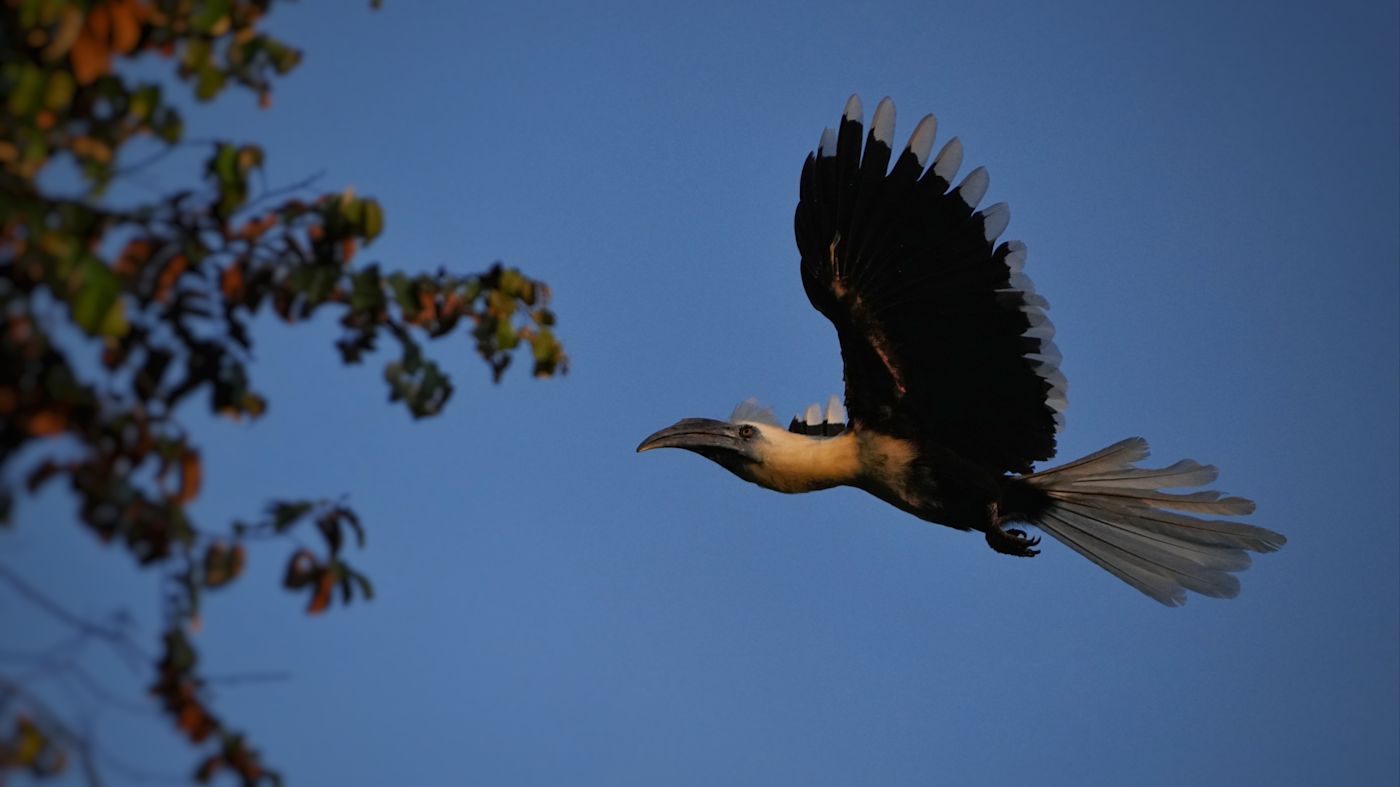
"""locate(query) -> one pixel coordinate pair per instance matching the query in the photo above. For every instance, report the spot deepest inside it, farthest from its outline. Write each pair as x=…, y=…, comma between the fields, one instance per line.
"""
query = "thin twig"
x=115, y=637
x=38, y=599
x=161, y=154
x=304, y=183
x=237, y=678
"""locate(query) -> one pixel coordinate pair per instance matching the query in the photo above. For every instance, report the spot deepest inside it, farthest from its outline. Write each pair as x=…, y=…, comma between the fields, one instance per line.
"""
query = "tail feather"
x=1167, y=582
x=1183, y=473
x=1116, y=515
x=1210, y=502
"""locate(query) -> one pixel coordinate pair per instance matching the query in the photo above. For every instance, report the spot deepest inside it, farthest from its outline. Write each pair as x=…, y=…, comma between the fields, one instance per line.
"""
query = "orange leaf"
x=126, y=25
x=322, y=599
x=189, y=717
x=91, y=58
x=190, y=474
x=231, y=281
x=47, y=422
x=347, y=249
x=99, y=22
x=169, y=276
x=254, y=228
x=195, y=722
x=132, y=258
x=427, y=308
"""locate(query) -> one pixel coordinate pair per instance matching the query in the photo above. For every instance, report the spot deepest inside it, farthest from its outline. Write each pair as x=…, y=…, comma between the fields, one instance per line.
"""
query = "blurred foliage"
x=159, y=296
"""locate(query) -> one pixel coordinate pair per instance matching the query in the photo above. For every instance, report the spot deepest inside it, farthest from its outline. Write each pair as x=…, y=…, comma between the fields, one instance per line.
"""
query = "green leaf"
x=406, y=294
x=209, y=83
x=170, y=127
x=197, y=53
x=506, y=337
x=366, y=292
x=227, y=166
x=284, y=58
x=286, y=514
x=27, y=91
x=97, y=306
x=366, y=589
x=352, y=209
x=59, y=92
x=144, y=102
x=209, y=16
x=373, y=222
x=316, y=282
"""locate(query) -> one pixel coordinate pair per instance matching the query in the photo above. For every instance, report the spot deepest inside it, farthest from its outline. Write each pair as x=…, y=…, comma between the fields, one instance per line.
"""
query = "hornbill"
x=952, y=381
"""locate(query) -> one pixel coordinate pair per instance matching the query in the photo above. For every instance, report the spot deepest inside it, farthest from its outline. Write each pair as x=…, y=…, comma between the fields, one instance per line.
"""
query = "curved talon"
x=1013, y=541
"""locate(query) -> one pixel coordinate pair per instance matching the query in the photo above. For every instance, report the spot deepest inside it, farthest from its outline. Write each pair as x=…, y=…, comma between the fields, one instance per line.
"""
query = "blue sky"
x=1209, y=194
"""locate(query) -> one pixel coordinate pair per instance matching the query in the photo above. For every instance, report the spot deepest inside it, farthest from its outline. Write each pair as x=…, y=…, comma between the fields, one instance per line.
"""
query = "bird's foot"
x=1012, y=541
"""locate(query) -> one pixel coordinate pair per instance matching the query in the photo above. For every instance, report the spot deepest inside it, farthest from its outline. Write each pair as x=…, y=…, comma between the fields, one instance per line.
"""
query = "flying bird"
x=953, y=386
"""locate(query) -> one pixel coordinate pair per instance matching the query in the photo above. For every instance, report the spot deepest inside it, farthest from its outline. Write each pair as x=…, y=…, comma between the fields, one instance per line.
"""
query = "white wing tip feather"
x=994, y=221
x=948, y=160
x=835, y=411
x=1015, y=256
x=921, y=141
x=853, y=109
x=882, y=124
x=974, y=187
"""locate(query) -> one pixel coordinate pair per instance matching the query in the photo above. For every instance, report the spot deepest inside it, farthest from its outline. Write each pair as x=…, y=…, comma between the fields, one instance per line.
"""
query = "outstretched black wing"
x=940, y=332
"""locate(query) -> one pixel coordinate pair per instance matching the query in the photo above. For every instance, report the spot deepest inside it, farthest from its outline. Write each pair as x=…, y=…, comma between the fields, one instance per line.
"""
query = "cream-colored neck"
x=798, y=463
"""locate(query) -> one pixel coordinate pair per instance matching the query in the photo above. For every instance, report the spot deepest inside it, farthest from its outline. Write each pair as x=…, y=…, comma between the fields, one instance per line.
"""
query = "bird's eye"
x=747, y=432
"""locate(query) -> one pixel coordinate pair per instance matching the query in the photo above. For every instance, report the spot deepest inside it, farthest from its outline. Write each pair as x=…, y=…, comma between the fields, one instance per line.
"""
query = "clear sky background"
x=1209, y=194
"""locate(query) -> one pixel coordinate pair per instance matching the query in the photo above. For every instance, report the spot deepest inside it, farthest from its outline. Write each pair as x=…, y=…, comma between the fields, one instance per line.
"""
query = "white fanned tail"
x=1116, y=514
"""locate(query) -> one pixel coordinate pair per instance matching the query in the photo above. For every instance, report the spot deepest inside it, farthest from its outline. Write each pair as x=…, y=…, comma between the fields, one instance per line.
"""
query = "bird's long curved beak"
x=693, y=434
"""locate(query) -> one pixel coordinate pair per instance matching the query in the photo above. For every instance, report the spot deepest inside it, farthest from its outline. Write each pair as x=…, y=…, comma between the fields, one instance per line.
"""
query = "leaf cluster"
x=162, y=294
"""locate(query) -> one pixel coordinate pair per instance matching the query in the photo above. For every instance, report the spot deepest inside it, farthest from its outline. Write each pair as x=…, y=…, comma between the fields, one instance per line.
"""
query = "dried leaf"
x=126, y=25
x=47, y=422
x=231, y=282
x=322, y=598
x=169, y=275
x=191, y=472
x=90, y=56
